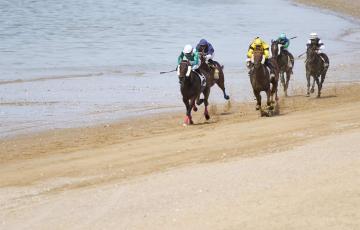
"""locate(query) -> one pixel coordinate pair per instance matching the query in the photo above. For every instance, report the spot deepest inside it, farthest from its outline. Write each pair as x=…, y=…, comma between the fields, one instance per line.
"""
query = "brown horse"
x=316, y=66
x=216, y=74
x=260, y=78
x=282, y=59
x=191, y=86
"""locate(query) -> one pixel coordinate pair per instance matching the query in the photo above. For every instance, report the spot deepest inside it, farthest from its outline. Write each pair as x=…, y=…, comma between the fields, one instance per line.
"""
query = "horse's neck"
x=316, y=60
x=260, y=69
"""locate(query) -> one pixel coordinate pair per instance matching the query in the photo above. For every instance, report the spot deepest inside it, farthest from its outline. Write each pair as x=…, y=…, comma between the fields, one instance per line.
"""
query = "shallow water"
x=69, y=63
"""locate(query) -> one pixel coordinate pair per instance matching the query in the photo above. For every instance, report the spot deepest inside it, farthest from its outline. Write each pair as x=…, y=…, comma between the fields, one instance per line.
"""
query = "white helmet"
x=188, y=49
x=313, y=36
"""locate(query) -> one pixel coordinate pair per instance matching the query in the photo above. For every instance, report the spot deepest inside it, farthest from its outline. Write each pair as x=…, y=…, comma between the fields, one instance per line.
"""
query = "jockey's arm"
x=266, y=53
x=287, y=43
x=195, y=62
x=250, y=52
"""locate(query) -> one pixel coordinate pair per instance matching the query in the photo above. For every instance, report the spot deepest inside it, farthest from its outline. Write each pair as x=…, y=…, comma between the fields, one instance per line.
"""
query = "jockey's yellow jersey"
x=261, y=44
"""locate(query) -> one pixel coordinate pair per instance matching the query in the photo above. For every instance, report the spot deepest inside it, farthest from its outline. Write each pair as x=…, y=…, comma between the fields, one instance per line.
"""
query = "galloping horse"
x=191, y=86
x=316, y=66
x=282, y=62
x=217, y=78
x=260, y=78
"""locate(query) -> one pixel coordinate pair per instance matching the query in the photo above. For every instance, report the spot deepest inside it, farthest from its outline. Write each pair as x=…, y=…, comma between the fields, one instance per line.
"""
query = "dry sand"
x=349, y=7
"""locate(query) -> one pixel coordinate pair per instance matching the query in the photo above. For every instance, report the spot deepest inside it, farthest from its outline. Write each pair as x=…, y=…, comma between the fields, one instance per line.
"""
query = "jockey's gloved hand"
x=248, y=61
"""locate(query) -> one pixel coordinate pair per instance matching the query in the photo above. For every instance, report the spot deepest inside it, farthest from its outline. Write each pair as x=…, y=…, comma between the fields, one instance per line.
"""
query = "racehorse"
x=260, y=78
x=316, y=66
x=192, y=84
x=282, y=60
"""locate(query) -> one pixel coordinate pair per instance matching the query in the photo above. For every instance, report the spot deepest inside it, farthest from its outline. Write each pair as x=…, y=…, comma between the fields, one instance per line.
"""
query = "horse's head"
x=311, y=53
x=184, y=71
x=258, y=57
x=274, y=48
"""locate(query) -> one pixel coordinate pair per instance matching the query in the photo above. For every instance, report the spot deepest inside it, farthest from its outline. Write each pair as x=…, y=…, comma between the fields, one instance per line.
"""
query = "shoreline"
x=345, y=7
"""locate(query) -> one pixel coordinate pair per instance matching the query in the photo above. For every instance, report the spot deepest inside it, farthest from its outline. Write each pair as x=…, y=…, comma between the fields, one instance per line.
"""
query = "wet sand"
x=298, y=170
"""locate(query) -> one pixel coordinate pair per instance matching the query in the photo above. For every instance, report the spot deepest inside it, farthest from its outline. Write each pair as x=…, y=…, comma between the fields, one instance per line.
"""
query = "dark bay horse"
x=216, y=74
x=191, y=86
x=260, y=78
x=316, y=66
x=282, y=60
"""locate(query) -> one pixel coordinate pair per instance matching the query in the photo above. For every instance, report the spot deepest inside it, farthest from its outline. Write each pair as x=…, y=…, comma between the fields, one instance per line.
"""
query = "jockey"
x=284, y=44
x=258, y=43
x=190, y=55
x=315, y=41
x=207, y=48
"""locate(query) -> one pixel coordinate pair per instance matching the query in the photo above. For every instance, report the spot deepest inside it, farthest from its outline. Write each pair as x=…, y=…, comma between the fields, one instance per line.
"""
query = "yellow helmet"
x=257, y=42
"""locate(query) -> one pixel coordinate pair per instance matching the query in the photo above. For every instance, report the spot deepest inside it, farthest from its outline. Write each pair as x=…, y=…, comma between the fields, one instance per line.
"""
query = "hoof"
x=312, y=91
x=308, y=94
x=188, y=121
x=318, y=96
x=271, y=107
x=207, y=116
x=195, y=108
x=226, y=97
x=257, y=107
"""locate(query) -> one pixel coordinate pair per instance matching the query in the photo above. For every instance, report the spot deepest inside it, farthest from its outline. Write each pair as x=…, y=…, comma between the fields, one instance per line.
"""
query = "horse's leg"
x=282, y=79
x=308, y=84
x=288, y=74
x=193, y=104
x=188, y=111
x=318, y=84
x=268, y=101
x=258, y=99
x=206, y=103
x=221, y=83
x=198, y=100
x=313, y=85
x=273, y=90
x=322, y=80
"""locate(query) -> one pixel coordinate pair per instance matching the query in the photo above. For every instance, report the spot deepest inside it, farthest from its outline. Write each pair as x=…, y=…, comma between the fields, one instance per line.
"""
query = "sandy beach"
x=348, y=7
x=298, y=170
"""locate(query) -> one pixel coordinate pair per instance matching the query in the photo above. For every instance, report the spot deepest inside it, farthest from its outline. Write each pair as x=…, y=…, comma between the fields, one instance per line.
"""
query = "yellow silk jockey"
x=258, y=43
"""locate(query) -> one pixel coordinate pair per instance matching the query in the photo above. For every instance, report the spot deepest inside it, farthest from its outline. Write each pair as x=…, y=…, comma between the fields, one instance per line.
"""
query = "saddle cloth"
x=202, y=80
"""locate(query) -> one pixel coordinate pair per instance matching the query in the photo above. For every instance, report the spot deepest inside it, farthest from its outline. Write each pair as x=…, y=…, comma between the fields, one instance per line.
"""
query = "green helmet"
x=282, y=35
